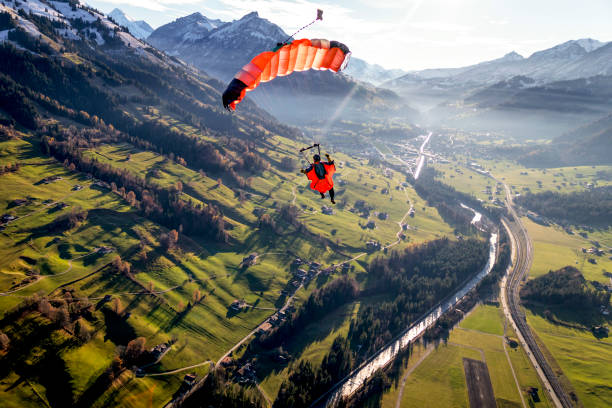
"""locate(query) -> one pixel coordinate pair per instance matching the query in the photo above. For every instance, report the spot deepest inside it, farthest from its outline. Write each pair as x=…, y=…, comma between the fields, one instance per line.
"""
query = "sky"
x=407, y=34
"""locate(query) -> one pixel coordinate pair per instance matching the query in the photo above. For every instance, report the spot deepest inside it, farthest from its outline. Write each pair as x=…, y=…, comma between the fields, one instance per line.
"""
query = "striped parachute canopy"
x=299, y=55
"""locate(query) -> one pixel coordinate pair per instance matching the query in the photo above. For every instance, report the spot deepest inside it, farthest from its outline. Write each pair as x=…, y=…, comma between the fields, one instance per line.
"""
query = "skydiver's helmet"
x=316, y=158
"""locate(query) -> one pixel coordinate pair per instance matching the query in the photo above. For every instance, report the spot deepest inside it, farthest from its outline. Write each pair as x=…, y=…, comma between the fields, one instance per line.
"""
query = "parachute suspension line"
x=308, y=148
x=319, y=17
x=305, y=157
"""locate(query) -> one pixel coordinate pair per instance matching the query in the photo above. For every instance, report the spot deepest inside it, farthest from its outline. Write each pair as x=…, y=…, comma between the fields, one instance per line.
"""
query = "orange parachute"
x=299, y=55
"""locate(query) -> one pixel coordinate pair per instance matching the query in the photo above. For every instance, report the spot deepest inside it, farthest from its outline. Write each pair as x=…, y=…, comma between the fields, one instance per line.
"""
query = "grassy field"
x=585, y=360
x=561, y=179
x=554, y=248
x=479, y=336
x=36, y=259
x=467, y=181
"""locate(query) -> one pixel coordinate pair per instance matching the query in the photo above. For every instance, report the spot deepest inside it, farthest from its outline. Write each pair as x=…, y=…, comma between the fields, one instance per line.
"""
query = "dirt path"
x=481, y=351
x=263, y=393
x=518, y=387
x=401, y=228
x=407, y=374
x=178, y=370
x=9, y=293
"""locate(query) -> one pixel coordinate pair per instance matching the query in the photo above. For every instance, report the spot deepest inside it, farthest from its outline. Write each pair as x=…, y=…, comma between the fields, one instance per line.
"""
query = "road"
x=421, y=160
x=178, y=370
x=522, y=258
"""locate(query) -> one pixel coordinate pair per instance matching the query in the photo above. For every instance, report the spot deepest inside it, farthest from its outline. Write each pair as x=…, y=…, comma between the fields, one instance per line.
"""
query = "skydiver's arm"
x=329, y=159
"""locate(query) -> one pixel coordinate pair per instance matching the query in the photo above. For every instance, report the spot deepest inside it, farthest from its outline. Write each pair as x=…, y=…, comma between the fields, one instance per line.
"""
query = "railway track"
x=524, y=259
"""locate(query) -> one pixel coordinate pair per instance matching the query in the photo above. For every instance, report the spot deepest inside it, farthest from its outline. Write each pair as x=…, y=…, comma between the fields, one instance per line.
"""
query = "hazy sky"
x=408, y=34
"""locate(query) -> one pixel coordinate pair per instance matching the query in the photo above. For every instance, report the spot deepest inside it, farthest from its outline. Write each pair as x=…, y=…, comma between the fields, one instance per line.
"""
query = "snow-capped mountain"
x=218, y=48
x=183, y=31
x=571, y=60
x=139, y=29
x=372, y=73
x=75, y=22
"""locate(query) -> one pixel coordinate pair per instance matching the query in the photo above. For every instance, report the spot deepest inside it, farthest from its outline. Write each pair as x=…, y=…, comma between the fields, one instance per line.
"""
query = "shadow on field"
x=118, y=330
x=585, y=320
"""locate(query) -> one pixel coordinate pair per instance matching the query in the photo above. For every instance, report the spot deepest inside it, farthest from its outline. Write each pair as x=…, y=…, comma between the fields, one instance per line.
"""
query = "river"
x=355, y=379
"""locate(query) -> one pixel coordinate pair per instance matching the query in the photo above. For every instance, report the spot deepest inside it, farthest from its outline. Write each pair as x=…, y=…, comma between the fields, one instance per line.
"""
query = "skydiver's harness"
x=319, y=168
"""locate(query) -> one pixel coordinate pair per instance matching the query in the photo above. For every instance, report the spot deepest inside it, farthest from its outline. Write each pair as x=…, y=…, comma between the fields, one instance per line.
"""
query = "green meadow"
x=158, y=298
x=479, y=336
x=554, y=248
x=584, y=359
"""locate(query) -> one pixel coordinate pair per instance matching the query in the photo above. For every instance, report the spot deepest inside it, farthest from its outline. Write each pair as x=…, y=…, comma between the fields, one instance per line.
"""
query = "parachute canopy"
x=299, y=55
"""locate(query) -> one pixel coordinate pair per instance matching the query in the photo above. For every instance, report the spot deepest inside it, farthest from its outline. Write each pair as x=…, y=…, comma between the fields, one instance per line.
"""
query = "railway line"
x=520, y=269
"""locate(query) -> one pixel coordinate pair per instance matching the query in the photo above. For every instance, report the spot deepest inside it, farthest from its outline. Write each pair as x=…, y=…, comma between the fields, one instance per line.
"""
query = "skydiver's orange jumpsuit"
x=324, y=183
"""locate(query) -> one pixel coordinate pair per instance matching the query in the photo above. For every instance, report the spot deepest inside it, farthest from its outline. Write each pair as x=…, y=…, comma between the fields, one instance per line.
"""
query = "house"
x=238, y=305
x=372, y=245
x=8, y=218
x=19, y=201
x=51, y=179
x=264, y=328
x=189, y=380
x=159, y=350
x=249, y=260
x=601, y=331
x=105, y=250
x=327, y=210
x=77, y=187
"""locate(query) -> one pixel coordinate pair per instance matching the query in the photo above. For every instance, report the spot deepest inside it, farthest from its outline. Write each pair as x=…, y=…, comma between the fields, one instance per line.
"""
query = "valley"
x=157, y=250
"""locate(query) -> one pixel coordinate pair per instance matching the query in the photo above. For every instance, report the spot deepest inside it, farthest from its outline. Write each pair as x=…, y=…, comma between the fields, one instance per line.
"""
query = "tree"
x=287, y=164
x=134, y=350
x=131, y=198
x=117, y=307
x=81, y=332
x=4, y=341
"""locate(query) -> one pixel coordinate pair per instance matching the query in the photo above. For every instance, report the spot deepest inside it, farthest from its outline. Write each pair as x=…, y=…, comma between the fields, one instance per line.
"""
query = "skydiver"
x=320, y=175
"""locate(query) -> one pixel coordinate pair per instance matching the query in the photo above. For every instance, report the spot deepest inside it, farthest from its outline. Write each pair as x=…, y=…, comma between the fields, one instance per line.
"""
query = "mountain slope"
x=139, y=29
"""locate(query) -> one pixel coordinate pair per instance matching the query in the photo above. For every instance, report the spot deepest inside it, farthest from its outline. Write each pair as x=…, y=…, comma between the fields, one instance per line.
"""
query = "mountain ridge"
x=139, y=29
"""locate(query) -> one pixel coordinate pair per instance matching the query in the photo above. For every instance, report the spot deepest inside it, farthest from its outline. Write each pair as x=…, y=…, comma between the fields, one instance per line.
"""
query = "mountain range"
x=222, y=48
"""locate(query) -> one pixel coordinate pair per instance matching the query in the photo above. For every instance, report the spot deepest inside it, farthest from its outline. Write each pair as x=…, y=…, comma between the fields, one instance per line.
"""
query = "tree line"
x=163, y=205
x=589, y=207
x=564, y=287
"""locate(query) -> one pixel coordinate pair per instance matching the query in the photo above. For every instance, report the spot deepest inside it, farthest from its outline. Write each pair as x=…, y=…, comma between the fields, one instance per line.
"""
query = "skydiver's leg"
x=322, y=195
x=331, y=195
